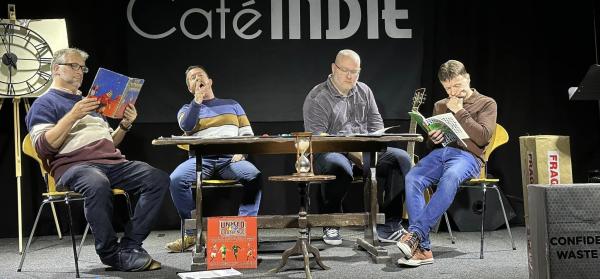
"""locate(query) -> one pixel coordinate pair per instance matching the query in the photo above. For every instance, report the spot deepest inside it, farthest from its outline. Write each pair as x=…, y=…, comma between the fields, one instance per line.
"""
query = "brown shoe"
x=408, y=244
x=176, y=246
x=154, y=265
x=420, y=257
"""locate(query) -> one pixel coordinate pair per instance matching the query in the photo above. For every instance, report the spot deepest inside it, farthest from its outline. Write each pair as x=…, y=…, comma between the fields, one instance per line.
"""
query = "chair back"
x=30, y=151
x=185, y=147
x=499, y=137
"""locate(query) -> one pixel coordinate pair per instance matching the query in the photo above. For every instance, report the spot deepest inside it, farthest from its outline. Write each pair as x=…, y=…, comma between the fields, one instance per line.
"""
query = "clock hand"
x=8, y=56
x=9, y=75
x=3, y=39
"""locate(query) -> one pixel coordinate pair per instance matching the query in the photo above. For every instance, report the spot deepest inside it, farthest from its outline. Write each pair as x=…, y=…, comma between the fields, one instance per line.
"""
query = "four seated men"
x=80, y=148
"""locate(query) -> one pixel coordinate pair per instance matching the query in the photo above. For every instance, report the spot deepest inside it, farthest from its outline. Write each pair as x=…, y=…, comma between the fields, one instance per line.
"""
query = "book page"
x=222, y=273
x=383, y=130
x=450, y=126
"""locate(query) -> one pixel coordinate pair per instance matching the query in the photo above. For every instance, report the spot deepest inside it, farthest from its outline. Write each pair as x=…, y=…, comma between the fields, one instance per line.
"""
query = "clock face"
x=26, y=58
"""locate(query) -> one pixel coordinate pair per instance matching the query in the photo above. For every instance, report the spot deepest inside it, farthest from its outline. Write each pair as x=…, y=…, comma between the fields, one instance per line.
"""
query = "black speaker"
x=467, y=207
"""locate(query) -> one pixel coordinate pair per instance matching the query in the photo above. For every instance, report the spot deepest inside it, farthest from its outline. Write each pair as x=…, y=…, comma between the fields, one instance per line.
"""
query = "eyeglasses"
x=76, y=67
x=346, y=71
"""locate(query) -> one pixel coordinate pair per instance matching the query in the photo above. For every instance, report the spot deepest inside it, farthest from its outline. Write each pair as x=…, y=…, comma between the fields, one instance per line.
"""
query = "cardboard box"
x=544, y=160
x=563, y=234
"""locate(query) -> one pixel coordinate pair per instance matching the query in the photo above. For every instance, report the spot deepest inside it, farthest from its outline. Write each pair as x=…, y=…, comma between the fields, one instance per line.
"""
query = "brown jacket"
x=477, y=118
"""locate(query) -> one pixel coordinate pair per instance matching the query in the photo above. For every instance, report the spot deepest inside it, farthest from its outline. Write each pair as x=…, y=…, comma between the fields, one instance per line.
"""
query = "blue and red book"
x=114, y=91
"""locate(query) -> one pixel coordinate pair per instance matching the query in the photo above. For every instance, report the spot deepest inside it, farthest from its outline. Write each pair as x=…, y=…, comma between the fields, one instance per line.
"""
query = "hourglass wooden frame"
x=308, y=152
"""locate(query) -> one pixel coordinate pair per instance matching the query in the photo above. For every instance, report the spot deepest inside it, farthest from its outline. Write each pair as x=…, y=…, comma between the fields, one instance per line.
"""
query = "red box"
x=231, y=242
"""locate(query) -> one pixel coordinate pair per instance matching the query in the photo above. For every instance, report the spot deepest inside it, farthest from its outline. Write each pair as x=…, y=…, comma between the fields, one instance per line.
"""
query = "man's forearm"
x=56, y=135
x=118, y=135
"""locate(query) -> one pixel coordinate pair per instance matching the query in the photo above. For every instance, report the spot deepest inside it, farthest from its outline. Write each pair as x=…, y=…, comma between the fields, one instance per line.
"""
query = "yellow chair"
x=499, y=137
x=206, y=184
x=52, y=196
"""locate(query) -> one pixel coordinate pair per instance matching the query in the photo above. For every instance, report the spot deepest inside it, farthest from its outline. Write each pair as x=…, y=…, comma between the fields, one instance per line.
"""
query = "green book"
x=445, y=122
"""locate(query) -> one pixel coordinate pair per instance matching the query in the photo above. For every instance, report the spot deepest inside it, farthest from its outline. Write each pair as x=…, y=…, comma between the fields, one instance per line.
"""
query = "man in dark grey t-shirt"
x=343, y=105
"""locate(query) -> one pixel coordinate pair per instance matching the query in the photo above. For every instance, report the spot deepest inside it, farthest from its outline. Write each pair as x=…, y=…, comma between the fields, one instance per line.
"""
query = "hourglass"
x=303, y=144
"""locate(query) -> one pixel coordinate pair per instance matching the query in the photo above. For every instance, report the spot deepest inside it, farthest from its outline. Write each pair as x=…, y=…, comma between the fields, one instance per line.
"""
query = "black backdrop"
x=524, y=54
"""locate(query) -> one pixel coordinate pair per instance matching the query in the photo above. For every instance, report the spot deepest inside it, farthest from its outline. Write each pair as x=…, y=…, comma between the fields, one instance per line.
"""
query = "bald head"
x=345, y=70
x=347, y=54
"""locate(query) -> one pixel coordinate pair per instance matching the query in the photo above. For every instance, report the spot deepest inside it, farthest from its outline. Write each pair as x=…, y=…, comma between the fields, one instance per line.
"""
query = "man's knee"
x=341, y=170
x=395, y=157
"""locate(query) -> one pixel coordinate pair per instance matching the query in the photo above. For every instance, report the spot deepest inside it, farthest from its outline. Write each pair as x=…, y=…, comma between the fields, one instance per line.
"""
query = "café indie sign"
x=250, y=21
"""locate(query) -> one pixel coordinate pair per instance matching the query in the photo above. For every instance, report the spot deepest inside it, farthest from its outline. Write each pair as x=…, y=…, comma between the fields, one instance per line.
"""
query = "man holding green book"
x=449, y=165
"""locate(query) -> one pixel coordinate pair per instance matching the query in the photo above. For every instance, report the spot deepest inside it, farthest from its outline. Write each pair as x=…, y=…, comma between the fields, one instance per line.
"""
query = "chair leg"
x=37, y=218
x=505, y=218
x=56, y=220
x=483, y=187
x=87, y=228
x=128, y=201
x=67, y=202
x=182, y=234
x=452, y=238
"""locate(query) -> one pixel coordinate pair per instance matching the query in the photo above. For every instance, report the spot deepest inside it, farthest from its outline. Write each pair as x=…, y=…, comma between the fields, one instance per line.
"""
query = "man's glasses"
x=346, y=71
x=76, y=67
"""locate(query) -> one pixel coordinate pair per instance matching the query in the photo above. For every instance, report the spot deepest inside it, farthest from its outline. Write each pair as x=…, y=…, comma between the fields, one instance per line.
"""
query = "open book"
x=219, y=273
x=445, y=122
x=114, y=91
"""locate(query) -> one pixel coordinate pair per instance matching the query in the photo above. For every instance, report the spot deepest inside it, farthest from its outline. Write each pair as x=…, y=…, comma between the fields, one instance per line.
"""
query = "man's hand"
x=83, y=108
x=199, y=91
x=455, y=104
x=129, y=116
x=237, y=158
x=436, y=136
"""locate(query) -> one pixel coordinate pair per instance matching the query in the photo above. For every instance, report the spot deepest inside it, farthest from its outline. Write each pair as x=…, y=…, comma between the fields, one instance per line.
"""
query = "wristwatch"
x=126, y=129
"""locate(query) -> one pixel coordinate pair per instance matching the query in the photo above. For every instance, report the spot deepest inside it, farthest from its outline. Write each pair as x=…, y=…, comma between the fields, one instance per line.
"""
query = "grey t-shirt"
x=325, y=110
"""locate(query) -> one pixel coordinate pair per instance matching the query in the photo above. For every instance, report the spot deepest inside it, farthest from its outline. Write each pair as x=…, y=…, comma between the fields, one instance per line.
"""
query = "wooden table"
x=285, y=145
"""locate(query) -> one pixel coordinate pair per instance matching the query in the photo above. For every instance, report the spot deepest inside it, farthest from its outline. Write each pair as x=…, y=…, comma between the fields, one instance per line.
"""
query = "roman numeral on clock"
x=44, y=75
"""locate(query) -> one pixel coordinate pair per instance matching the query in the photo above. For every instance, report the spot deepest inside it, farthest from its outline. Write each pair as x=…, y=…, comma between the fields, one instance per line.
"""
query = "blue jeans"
x=392, y=166
x=216, y=168
x=96, y=181
x=447, y=167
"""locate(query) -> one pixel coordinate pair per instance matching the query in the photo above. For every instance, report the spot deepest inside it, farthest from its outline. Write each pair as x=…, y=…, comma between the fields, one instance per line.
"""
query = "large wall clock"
x=26, y=58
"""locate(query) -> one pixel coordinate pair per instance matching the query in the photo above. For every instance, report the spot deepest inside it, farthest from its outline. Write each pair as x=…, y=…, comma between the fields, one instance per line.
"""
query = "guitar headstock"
x=418, y=98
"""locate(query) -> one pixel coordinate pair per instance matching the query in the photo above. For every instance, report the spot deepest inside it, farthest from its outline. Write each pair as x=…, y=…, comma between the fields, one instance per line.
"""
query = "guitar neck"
x=410, y=148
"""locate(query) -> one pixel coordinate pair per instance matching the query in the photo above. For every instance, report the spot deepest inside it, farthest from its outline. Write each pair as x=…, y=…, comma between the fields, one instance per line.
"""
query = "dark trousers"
x=96, y=181
x=391, y=167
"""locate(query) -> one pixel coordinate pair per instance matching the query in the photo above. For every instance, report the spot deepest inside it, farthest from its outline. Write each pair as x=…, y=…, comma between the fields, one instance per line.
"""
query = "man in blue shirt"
x=208, y=116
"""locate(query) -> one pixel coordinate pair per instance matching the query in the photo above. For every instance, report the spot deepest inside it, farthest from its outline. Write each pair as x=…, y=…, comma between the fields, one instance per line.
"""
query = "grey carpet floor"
x=50, y=257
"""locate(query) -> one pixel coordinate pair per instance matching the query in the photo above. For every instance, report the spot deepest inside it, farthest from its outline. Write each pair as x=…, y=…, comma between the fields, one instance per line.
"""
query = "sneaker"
x=408, y=244
x=420, y=257
x=392, y=237
x=332, y=236
x=175, y=246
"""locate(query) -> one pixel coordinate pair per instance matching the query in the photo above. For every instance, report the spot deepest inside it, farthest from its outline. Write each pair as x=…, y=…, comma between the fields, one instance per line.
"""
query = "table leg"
x=370, y=242
x=199, y=251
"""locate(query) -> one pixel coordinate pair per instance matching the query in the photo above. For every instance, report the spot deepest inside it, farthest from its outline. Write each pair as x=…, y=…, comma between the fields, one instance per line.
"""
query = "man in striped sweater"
x=79, y=148
x=208, y=116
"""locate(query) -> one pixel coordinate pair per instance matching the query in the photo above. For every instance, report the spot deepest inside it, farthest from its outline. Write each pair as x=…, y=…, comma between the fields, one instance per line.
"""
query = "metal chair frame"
x=54, y=196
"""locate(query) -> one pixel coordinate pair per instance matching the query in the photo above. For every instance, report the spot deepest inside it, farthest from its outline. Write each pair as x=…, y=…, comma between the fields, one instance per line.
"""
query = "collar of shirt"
x=78, y=92
x=471, y=98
